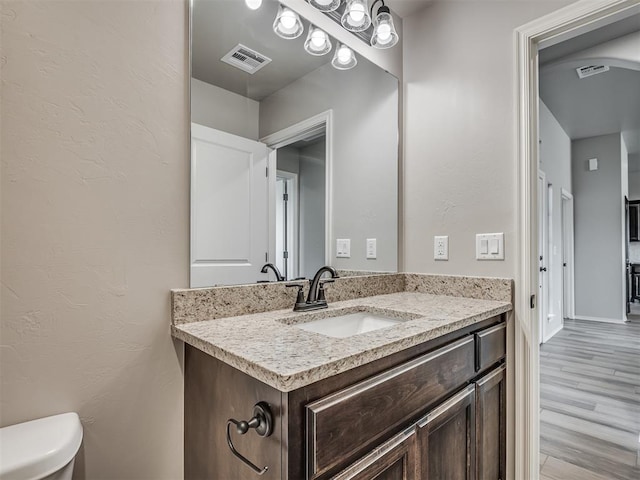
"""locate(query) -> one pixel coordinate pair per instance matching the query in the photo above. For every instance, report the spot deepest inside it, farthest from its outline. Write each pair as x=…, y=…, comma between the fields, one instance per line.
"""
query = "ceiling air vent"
x=589, y=70
x=245, y=59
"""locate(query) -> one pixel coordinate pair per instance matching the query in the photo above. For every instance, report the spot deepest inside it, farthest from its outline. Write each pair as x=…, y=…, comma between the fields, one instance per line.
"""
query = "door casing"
x=563, y=24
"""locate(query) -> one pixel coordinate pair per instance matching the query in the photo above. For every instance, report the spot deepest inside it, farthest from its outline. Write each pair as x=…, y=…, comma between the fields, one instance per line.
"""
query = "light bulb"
x=317, y=42
x=318, y=39
x=288, y=20
x=384, y=33
x=356, y=16
x=344, y=55
x=287, y=24
x=357, y=12
x=253, y=4
x=344, y=58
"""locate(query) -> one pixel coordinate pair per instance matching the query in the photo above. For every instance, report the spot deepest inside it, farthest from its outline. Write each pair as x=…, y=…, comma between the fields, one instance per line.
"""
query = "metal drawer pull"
x=262, y=421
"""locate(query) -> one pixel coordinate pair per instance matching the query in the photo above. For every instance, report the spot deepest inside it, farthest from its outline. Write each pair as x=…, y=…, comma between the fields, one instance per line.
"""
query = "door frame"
x=568, y=22
x=543, y=251
x=292, y=134
x=568, y=255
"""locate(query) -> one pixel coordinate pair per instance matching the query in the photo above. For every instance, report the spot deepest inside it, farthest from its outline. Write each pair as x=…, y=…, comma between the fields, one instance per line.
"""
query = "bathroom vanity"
x=423, y=398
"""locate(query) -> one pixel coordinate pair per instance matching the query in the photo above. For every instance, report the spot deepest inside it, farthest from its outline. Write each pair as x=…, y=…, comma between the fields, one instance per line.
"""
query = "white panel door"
x=229, y=208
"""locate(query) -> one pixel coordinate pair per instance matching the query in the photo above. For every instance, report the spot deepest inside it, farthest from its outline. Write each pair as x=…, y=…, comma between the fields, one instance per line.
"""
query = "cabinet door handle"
x=262, y=422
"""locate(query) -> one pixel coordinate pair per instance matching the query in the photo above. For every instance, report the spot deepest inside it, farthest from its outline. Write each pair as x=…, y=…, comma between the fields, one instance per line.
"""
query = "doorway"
x=300, y=227
x=574, y=20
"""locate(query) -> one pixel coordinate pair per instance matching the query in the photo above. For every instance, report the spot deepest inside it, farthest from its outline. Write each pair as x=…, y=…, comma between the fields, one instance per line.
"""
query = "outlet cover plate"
x=490, y=246
x=441, y=247
x=372, y=249
x=343, y=248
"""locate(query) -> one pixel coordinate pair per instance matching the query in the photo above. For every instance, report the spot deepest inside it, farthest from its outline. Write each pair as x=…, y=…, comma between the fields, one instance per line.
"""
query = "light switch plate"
x=371, y=248
x=490, y=246
x=441, y=247
x=343, y=248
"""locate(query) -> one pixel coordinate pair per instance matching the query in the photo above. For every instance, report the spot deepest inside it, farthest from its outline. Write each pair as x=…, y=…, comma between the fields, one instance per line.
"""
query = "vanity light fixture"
x=287, y=24
x=344, y=58
x=253, y=4
x=317, y=42
x=384, y=32
x=356, y=17
x=325, y=5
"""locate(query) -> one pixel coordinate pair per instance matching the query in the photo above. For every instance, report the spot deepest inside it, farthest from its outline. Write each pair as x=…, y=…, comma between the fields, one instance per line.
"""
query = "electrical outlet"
x=441, y=248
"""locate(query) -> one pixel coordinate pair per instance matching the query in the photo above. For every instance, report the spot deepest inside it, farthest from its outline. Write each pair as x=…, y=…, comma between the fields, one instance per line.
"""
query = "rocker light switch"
x=371, y=248
x=343, y=248
x=484, y=246
x=490, y=246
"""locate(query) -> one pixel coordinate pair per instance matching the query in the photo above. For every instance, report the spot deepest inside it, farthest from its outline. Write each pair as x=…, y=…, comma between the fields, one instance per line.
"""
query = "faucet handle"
x=321, y=296
x=300, y=296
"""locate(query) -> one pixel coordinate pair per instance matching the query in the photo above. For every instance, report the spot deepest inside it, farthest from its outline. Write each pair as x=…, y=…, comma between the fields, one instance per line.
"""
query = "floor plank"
x=555, y=469
x=590, y=402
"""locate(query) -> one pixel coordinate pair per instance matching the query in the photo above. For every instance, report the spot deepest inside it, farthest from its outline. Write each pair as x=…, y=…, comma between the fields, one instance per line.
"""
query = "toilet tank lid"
x=40, y=447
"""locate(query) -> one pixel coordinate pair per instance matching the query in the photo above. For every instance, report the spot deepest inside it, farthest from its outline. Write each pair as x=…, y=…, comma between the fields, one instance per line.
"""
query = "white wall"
x=95, y=211
x=555, y=161
x=599, y=234
x=460, y=116
x=223, y=110
x=365, y=167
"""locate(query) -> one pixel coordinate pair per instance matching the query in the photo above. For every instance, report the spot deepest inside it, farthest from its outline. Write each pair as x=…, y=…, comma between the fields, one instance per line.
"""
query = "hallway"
x=590, y=402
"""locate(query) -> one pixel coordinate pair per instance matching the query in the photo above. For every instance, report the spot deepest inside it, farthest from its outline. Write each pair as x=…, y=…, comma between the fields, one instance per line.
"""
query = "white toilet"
x=43, y=449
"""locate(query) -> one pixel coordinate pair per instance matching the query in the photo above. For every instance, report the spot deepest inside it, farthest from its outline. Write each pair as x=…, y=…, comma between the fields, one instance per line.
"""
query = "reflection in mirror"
x=300, y=207
x=288, y=159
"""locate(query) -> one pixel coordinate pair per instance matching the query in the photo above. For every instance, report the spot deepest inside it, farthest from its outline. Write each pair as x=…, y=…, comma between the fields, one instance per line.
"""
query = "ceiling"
x=219, y=25
x=404, y=8
x=591, y=39
x=598, y=105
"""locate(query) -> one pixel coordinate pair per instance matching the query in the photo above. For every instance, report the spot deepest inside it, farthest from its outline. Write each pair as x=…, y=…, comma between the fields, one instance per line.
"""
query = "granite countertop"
x=269, y=347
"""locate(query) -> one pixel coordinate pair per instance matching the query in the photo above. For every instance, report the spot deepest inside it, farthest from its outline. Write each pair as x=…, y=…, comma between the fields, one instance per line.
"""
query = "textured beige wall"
x=460, y=167
x=95, y=225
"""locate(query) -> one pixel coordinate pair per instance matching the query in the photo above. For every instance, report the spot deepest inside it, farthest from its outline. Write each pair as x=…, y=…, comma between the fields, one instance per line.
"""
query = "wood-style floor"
x=590, y=402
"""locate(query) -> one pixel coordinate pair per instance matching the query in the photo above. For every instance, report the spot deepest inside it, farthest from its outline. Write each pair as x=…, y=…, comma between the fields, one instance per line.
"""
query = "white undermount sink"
x=350, y=324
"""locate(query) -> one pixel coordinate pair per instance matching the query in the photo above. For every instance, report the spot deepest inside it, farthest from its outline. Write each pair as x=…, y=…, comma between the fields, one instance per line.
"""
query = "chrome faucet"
x=267, y=266
x=315, y=298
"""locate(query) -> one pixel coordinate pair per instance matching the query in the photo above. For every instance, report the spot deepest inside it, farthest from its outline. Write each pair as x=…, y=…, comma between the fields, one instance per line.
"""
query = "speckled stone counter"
x=199, y=304
x=269, y=347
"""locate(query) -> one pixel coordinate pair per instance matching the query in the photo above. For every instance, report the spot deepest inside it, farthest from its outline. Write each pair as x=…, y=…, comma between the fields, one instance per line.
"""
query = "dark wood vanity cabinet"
x=435, y=411
x=447, y=439
x=396, y=459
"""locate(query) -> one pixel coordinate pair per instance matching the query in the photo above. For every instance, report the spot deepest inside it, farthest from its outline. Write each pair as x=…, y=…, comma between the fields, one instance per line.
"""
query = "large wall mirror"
x=294, y=163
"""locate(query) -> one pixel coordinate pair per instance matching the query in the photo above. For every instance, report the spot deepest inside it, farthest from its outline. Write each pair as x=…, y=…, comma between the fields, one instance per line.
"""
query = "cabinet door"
x=446, y=439
x=393, y=460
x=490, y=425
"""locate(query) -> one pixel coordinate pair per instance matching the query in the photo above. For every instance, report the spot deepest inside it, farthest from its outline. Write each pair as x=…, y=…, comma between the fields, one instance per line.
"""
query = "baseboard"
x=598, y=319
x=550, y=336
